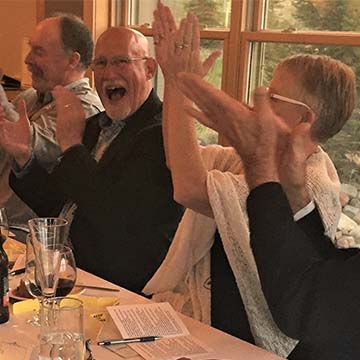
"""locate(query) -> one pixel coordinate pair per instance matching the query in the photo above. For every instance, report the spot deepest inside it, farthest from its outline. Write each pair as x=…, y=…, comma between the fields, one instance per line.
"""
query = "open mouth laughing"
x=115, y=92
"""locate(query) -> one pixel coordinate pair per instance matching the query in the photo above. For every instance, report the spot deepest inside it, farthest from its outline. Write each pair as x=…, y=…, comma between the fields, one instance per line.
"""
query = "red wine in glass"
x=64, y=287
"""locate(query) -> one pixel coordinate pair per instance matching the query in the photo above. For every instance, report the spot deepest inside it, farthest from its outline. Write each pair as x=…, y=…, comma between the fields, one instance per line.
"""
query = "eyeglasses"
x=289, y=100
x=118, y=62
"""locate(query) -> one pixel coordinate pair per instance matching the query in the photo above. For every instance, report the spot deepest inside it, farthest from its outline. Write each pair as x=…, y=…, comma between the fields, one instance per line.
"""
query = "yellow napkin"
x=95, y=313
x=91, y=303
x=25, y=306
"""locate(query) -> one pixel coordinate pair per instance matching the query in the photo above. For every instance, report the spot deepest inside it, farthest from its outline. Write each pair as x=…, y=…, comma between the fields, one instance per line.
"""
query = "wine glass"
x=31, y=280
x=66, y=275
x=48, y=237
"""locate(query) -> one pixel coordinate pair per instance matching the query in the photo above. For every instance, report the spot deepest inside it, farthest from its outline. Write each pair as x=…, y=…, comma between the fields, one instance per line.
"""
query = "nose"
x=28, y=58
x=109, y=71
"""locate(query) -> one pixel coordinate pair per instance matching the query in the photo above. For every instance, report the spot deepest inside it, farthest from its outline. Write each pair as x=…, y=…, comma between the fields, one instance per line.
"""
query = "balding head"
x=123, y=71
x=50, y=61
x=135, y=41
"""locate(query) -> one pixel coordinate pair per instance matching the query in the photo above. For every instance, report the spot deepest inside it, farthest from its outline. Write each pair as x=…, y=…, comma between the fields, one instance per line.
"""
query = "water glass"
x=62, y=329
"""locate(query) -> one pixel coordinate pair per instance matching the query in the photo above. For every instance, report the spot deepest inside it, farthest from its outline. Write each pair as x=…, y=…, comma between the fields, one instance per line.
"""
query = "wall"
x=17, y=21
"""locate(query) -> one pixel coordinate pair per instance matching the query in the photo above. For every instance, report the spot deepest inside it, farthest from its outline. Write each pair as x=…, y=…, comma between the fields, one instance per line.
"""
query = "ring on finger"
x=179, y=45
x=185, y=45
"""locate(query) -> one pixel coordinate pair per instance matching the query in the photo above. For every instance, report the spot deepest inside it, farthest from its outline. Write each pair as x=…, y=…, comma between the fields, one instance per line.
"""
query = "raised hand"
x=70, y=123
x=15, y=136
x=178, y=49
x=258, y=135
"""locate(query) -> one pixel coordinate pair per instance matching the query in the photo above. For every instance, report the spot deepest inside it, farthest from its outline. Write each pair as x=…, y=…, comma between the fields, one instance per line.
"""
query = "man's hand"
x=15, y=136
x=70, y=123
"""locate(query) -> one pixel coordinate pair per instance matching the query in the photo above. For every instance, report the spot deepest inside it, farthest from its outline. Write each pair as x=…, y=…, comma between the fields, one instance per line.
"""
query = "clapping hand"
x=15, y=136
x=178, y=49
x=70, y=123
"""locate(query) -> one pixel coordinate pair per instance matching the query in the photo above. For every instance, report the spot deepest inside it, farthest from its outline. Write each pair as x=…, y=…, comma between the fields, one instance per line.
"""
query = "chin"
x=116, y=111
x=115, y=114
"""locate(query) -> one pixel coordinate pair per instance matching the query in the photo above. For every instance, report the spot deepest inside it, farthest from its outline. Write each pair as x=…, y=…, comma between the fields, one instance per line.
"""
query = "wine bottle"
x=4, y=283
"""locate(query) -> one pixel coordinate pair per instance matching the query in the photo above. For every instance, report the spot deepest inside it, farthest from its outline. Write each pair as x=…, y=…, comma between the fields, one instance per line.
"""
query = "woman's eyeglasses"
x=289, y=100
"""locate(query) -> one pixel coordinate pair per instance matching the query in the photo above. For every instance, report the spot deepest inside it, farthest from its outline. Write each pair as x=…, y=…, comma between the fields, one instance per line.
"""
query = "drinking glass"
x=31, y=281
x=48, y=236
x=66, y=275
x=62, y=329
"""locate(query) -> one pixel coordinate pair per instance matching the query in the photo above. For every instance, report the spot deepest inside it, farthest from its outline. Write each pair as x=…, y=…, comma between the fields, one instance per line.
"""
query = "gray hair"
x=328, y=86
x=76, y=36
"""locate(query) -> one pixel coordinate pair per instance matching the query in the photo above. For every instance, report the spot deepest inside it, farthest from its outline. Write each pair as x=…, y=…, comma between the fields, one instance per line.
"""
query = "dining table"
x=18, y=332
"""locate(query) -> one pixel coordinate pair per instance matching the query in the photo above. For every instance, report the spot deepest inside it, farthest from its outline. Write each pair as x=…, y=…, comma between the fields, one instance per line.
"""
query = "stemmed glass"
x=66, y=275
x=44, y=248
x=48, y=236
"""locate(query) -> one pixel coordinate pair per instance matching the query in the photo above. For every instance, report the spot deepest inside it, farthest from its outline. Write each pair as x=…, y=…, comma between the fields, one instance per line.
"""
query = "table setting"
x=61, y=312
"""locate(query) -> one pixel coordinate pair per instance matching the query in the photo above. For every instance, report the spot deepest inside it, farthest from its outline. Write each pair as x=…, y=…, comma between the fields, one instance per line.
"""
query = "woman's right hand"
x=178, y=49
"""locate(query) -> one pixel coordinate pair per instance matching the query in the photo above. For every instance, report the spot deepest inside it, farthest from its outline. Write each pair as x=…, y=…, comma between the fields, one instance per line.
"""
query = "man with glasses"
x=311, y=287
x=111, y=181
x=61, y=49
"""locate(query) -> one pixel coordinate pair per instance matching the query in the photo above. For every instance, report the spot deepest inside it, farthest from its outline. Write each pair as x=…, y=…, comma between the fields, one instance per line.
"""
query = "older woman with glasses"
x=209, y=272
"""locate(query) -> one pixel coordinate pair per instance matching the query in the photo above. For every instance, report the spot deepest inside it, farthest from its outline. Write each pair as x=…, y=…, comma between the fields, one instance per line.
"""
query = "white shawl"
x=182, y=279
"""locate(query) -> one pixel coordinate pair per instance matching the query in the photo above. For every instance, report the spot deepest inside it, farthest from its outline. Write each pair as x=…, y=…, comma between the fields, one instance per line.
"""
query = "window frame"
x=246, y=27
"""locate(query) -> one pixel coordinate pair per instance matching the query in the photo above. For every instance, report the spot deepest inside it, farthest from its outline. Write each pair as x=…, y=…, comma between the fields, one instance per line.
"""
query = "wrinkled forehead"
x=121, y=42
x=47, y=32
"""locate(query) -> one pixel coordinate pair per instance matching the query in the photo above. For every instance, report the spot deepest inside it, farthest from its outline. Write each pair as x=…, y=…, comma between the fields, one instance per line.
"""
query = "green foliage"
x=210, y=12
x=331, y=15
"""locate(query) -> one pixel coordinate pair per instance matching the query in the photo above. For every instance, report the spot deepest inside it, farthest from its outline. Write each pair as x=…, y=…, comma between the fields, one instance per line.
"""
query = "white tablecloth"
x=17, y=332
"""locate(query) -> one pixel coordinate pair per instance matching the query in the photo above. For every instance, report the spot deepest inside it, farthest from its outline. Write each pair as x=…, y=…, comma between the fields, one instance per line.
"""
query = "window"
x=256, y=34
x=214, y=16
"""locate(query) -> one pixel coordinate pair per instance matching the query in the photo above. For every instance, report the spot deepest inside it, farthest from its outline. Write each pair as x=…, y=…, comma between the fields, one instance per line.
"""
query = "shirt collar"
x=46, y=97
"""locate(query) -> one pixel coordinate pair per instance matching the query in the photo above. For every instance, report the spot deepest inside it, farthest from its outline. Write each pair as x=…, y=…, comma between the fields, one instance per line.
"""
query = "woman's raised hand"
x=178, y=48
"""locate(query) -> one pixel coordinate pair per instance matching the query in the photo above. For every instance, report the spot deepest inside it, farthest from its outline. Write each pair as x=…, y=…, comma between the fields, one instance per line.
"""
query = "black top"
x=311, y=287
x=126, y=216
x=227, y=308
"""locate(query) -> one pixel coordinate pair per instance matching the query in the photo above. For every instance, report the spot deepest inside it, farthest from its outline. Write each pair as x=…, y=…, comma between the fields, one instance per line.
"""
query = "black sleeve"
x=308, y=287
x=107, y=196
x=39, y=190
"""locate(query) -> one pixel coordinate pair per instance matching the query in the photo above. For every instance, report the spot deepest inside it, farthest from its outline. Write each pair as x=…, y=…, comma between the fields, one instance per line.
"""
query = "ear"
x=302, y=134
x=150, y=67
x=309, y=117
x=74, y=60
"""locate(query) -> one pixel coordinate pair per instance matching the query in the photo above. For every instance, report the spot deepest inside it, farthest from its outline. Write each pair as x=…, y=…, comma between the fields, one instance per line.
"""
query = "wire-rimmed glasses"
x=117, y=61
x=289, y=100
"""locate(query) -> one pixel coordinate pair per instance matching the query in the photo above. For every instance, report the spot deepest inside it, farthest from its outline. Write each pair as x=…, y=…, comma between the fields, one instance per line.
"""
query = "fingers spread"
x=200, y=116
